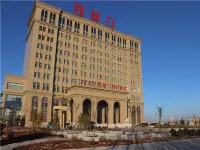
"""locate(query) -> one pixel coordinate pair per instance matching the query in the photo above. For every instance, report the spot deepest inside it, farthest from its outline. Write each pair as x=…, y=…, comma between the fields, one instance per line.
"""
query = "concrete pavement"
x=188, y=144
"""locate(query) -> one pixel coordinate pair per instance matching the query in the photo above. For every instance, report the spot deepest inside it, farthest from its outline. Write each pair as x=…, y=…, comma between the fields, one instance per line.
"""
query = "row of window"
x=40, y=55
x=95, y=33
x=34, y=108
x=38, y=75
x=14, y=86
x=41, y=46
x=39, y=65
x=42, y=37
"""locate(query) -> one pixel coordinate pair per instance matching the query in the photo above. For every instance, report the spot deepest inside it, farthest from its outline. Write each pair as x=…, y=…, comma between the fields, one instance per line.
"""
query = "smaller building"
x=194, y=122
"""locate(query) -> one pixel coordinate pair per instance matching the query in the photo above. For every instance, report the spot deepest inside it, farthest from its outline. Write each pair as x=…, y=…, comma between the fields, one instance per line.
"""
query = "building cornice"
x=14, y=76
x=74, y=87
x=38, y=93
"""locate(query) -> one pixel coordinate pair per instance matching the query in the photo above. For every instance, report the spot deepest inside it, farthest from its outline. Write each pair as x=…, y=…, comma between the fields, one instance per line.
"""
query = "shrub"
x=11, y=135
x=186, y=131
x=180, y=133
x=92, y=142
x=55, y=121
x=137, y=140
x=193, y=132
x=102, y=139
x=74, y=138
x=84, y=121
x=173, y=132
x=198, y=132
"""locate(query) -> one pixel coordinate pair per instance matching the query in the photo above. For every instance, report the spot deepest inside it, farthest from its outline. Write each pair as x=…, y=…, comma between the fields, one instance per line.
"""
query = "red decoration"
x=79, y=10
x=104, y=85
x=99, y=84
x=121, y=87
x=107, y=22
x=113, y=86
x=95, y=16
x=124, y=88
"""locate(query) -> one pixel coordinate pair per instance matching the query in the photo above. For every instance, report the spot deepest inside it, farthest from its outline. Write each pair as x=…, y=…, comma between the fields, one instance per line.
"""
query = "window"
x=40, y=65
x=76, y=27
x=106, y=36
x=39, y=37
x=52, y=18
x=113, y=39
x=93, y=32
x=99, y=34
x=36, y=85
x=85, y=29
x=62, y=22
x=34, y=106
x=40, y=28
x=14, y=86
x=44, y=109
x=69, y=25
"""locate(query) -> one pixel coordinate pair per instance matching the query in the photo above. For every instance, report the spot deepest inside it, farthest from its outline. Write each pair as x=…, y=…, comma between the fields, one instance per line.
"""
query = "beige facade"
x=94, y=68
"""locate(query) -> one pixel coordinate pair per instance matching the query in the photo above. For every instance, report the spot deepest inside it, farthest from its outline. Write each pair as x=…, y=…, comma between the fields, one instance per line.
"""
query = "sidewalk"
x=189, y=144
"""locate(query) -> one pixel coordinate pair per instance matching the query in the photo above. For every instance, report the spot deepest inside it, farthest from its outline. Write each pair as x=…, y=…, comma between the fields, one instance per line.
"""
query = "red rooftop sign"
x=95, y=16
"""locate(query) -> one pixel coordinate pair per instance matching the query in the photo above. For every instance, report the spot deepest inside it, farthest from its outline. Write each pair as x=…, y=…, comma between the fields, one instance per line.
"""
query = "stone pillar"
x=103, y=115
x=78, y=103
x=94, y=111
x=142, y=113
x=60, y=118
x=39, y=105
x=68, y=116
x=117, y=116
x=136, y=117
x=110, y=112
x=123, y=112
x=49, y=110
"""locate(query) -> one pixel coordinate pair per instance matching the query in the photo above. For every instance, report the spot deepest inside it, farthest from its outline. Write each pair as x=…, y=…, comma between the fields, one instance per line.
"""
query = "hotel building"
x=74, y=65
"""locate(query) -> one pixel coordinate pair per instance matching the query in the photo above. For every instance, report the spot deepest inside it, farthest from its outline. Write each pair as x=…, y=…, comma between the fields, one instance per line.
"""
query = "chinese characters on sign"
x=95, y=16
x=103, y=85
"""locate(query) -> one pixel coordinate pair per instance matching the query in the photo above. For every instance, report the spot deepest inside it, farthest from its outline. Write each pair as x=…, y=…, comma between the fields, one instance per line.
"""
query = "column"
x=60, y=118
x=117, y=116
x=110, y=112
x=94, y=110
x=142, y=112
x=123, y=112
x=136, y=117
x=49, y=111
x=78, y=104
x=40, y=105
x=103, y=115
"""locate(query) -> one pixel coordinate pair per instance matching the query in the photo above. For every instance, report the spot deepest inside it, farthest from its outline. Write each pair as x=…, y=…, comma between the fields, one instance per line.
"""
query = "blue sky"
x=170, y=34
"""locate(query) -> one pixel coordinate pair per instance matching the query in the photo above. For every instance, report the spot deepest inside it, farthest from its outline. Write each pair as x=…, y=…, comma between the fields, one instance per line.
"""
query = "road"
x=189, y=144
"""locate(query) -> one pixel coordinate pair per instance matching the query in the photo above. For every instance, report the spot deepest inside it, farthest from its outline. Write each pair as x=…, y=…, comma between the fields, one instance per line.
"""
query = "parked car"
x=142, y=125
x=94, y=125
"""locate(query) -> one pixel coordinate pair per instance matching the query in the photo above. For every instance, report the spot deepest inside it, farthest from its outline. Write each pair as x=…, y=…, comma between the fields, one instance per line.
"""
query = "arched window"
x=34, y=107
x=55, y=102
x=44, y=109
